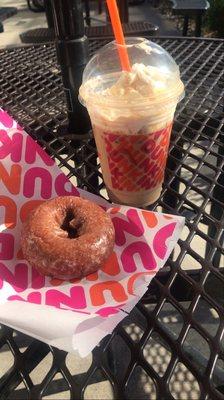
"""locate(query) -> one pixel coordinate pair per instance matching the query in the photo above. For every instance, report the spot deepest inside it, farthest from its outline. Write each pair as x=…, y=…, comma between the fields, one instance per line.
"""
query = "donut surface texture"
x=67, y=237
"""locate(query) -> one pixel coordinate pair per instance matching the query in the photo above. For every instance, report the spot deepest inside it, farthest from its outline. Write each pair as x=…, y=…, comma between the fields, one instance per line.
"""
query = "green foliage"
x=215, y=17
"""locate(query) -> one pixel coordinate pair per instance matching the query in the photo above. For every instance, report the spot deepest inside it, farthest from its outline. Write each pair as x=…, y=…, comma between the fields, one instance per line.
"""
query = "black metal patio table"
x=172, y=344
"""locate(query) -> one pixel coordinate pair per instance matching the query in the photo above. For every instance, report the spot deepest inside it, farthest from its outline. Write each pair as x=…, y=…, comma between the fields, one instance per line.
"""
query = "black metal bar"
x=123, y=10
x=185, y=26
x=34, y=355
x=173, y=163
x=100, y=6
x=198, y=23
x=87, y=12
x=73, y=54
x=49, y=14
x=217, y=212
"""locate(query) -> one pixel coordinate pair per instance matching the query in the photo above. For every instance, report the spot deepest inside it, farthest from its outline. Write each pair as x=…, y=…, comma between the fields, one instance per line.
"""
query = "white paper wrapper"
x=77, y=314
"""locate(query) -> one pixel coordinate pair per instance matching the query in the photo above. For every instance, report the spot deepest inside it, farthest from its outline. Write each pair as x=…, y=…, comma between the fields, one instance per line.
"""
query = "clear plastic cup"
x=131, y=115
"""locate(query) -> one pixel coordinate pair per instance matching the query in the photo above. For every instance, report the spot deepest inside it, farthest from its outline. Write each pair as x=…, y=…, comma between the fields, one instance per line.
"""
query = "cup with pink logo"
x=132, y=114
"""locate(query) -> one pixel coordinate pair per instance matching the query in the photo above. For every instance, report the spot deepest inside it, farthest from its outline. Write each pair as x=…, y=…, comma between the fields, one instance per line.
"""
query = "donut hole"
x=71, y=225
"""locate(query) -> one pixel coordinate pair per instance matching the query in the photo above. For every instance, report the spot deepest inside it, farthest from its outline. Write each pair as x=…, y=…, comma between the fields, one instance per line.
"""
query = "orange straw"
x=119, y=35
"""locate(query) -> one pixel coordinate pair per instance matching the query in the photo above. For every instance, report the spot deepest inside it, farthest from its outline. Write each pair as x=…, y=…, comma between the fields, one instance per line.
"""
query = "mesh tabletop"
x=172, y=343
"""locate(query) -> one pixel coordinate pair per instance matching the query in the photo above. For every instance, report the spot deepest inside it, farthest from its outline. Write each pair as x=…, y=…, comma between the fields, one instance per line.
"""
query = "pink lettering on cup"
x=132, y=159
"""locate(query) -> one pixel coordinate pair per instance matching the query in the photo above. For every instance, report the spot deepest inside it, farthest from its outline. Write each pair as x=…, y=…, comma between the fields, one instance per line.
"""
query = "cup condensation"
x=131, y=115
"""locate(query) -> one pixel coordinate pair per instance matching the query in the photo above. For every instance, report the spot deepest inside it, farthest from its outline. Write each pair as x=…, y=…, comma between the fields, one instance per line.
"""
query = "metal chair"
x=191, y=8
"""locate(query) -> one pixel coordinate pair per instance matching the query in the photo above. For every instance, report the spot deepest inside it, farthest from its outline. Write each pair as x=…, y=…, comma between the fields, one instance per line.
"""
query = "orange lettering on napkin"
x=28, y=207
x=116, y=289
x=111, y=267
x=150, y=219
x=10, y=211
x=11, y=180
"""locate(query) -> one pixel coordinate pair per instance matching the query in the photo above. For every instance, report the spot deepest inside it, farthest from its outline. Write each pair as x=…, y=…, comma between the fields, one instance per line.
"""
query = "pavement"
x=26, y=19
x=183, y=385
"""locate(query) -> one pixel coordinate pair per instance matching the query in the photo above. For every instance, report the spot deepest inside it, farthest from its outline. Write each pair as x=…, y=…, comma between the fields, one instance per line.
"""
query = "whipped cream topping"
x=132, y=101
x=142, y=81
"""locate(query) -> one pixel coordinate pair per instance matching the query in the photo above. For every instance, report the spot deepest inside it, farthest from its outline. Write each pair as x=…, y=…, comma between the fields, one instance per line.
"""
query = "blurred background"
x=170, y=17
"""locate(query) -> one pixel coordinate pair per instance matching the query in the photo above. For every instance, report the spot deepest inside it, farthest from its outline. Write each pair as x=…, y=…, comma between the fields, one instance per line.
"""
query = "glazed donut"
x=67, y=237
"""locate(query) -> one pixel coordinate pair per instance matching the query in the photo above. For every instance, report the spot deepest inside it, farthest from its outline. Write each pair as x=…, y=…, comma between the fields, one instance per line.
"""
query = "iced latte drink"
x=132, y=115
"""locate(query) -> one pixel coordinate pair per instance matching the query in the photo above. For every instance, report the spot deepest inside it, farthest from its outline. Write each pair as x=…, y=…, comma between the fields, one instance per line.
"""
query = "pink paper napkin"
x=76, y=314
